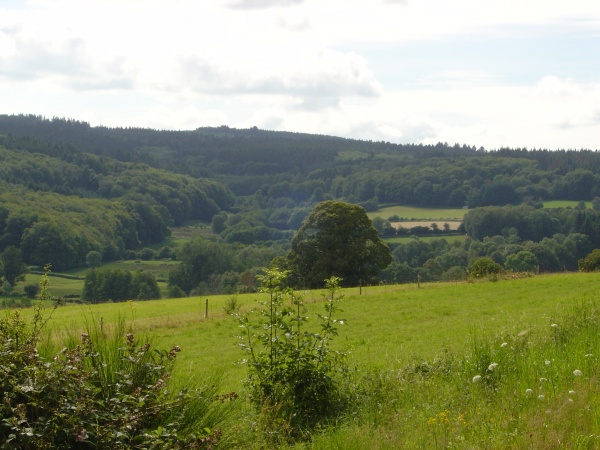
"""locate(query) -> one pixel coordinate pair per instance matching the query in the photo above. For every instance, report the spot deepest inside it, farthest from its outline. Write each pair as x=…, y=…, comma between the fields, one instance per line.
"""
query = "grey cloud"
x=410, y=133
x=316, y=90
x=300, y=25
x=33, y=60
x=263, y=4
x=117, y=83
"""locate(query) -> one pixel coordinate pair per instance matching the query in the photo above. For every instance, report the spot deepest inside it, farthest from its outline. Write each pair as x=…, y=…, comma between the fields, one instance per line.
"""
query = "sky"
x=485, y=73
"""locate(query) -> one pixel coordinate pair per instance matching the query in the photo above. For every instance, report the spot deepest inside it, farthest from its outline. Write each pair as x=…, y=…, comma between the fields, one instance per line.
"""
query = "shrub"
x=147, y=254
x=483, y=267
x=104, y=392
x=591, y=262
x=293, y=377
x=31, y=290
x=232, y=305
x=522, y=261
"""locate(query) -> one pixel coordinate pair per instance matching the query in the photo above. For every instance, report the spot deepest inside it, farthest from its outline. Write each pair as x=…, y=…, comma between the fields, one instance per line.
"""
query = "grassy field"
x=565, y=204
x=448, y=214
x=420, y=343
x=387, y=325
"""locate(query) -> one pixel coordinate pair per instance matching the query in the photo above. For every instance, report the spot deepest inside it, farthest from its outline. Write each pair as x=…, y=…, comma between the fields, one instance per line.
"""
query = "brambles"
x=108, y=390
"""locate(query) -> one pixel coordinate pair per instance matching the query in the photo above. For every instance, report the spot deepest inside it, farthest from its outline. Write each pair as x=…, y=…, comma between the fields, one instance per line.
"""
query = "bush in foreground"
x=108, y=391
x=296, y=382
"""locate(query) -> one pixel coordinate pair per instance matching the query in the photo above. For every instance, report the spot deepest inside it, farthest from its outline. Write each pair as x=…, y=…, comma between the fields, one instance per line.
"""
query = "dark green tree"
x=12, y=267
x=93, y=259
x=522, y=261
x=337, y=239
x=591, y=262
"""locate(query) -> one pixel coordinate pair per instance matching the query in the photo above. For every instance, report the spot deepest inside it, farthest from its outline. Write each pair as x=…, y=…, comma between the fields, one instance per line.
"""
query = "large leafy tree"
x=337, y=239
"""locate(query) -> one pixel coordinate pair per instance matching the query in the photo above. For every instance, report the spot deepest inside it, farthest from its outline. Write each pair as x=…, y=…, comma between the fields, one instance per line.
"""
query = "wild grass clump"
x=106, y=391
x=530, y=389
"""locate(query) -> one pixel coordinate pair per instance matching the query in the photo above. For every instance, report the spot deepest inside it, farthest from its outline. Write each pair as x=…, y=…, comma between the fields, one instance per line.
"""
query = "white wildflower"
x=572, y=392
x=476, y=378
x=528, y=392
x=577, y=373
x=554, y=325
x=547, y=362
x=492, y=366
x=504, y=344
x=541, y=397
x=542, y=380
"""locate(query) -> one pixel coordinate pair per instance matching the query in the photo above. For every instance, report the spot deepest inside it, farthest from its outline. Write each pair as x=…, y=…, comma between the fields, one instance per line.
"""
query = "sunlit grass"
x=417, y=351
x=565, y=204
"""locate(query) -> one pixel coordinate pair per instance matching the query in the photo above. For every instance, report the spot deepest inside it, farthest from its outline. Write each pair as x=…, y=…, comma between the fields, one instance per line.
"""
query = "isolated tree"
x=483, y=267
x=337, y=239
x=93, y=259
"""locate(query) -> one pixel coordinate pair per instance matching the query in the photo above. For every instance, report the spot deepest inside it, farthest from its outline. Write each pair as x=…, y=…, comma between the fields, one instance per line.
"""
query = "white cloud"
x=308, y=66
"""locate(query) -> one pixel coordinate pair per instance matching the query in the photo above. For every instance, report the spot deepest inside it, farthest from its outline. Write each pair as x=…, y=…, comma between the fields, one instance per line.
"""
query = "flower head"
x=476, y=378
x=577, y=373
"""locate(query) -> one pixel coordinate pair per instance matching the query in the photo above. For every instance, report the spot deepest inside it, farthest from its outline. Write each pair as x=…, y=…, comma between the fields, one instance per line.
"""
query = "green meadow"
x=565, y=204
x=387, y=326
x=510, y=363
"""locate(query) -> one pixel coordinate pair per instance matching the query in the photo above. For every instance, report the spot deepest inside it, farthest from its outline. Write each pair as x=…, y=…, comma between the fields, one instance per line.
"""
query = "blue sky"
x=494, y=73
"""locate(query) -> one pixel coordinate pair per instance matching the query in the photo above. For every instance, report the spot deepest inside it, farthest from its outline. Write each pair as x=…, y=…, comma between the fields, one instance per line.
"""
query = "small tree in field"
x=337, y=239
x=291, y=371
x=483, y=267
x=93, y=259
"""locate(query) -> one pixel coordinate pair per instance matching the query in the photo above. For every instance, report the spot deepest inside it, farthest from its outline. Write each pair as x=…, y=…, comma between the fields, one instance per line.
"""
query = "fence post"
x=206, y=310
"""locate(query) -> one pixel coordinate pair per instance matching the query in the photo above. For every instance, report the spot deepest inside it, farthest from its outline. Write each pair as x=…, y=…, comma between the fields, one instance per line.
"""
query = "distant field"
x=565, y=204
x=405, y=239
x=414, y=212
x=427, y=223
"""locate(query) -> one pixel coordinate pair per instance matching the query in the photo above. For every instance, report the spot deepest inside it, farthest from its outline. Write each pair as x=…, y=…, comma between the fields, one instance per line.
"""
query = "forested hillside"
x=70, y=188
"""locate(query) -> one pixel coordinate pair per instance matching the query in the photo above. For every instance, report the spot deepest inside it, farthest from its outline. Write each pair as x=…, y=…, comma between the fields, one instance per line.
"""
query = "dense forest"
x=68, y=188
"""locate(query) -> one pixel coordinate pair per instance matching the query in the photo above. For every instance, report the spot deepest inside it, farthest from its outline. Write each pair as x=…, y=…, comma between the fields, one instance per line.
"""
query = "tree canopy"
x=337, y=239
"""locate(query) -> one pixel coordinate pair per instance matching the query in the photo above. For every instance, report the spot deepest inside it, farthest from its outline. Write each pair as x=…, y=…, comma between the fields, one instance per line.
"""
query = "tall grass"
x=517, y=391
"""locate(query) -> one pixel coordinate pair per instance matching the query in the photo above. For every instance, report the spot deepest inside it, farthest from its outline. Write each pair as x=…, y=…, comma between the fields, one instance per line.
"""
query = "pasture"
x=565, y=204
x=387, y=326
x=490, y=364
